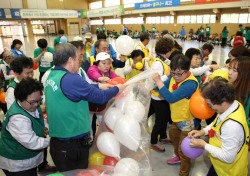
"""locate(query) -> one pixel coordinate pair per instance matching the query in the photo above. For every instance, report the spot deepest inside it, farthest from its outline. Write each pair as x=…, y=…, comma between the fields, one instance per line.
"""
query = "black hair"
x=15, y=42
x=101, y=36
x=239, y=33
x=98, y=42
x=218, y=91
x=213, y=63
x=42, y=43
x=208, y=46
x=144, y=36
x=228, y=61
x=164, y=45
x=27, y=87
x=61, y=31
x=180, y=61
x=63, y=52
x=192, y=51
x=78, y=44
x=17, y=65
x=136, y=53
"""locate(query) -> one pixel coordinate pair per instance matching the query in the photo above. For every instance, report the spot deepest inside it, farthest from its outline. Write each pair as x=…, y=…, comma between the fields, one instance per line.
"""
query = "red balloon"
x=35, y=66
x=199, y=107
x=117, y=80
x=110, y=161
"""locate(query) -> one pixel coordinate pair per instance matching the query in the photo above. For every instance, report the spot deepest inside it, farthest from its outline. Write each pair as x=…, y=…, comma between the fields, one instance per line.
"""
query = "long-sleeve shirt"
x=128, y=68
x=10, y=98
x=4, y=70
x=200, y=70
x=17, y=53
x=94, y=73
x=232, y=137
x=20, y=127
x=112, y=52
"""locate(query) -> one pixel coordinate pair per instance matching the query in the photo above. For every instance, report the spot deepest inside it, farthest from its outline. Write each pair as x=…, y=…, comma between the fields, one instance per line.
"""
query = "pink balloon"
x=189, y=151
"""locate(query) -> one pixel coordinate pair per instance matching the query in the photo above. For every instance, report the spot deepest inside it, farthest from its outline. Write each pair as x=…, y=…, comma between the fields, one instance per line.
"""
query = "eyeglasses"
x=34, y=102
x=177, y=74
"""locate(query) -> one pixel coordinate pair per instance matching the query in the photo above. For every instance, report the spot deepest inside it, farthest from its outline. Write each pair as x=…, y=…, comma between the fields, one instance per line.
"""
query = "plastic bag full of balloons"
x=122, y=141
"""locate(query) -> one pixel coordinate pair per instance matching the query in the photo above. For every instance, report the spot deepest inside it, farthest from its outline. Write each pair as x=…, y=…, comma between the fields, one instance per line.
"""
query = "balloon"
x=108, y=145
x=124, y=45
x=128, y=167
x=199, y=107
x=138, y=65
x=128, y=132
x=111, y=116
x=123, y=100
x=219, y=73
x=189, y=151
x=48, y=57
x=136, y=110
x=96, y=159
x=110, y=161
x=35, y=66
x=63, y=39
x=96, y=168
x=117, y=80
x=11, y=72
x=2, y=97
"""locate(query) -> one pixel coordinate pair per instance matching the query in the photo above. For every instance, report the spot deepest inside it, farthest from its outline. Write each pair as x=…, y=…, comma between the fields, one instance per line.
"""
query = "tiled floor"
x=158, y=160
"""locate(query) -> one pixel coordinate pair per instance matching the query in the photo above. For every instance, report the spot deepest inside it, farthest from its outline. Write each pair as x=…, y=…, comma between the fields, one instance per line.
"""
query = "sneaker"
x=158, y=148
x=174, y=160
x=165, y=141
x=48, y=168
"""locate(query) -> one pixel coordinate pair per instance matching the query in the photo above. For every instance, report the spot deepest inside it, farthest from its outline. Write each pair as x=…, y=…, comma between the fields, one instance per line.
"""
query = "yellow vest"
x=240, y=165
x=145, y=50
x=134, y=72
x=165, y=72
x=89, y=47
x=180, y=109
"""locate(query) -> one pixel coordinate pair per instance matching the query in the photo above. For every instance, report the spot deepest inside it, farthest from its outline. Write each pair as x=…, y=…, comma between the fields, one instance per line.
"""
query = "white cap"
x=77, y=38
x=87, y=35
x=103, y=56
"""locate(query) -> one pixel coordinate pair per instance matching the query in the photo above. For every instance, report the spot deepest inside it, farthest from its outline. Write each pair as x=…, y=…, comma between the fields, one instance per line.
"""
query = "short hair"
x=15, y=42
x=27, y=87
x=78, y=44
x=6, y=54
x=98, y=42
x=164, y=45
x=208, y=46
x=136, y=53
x=61, y=31
x=218, y=91
x=239, y=33
x=192, y=51
x=240, y=25
x=240, y=51
x=42, y=43
x=17, y=65
x=144, y=36
x=101, y=36
x=63, y=52
x=180, y=61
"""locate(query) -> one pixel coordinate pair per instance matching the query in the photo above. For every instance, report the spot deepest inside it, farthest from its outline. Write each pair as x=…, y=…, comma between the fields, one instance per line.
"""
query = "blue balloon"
x=189, y=151
x=63, y=39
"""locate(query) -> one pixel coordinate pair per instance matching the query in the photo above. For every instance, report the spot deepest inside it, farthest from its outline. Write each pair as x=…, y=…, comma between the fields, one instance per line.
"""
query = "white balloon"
x=111, y=117
x=122, y=102
x=48, y=57
x=136, y=110
x=128, y=167
x=128, y=132
x=124, y=45
x=108, y=145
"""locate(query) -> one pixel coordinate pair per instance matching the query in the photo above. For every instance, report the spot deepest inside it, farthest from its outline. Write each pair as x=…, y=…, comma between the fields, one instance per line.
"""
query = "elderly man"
x=67, y=95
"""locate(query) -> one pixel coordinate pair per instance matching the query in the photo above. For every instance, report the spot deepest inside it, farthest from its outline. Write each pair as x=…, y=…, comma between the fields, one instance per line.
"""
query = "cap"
x=88, y=35
x=77, y=38
x=103, y=56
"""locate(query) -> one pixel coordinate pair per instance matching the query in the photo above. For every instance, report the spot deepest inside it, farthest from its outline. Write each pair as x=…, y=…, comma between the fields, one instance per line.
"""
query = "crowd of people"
x=73, y=91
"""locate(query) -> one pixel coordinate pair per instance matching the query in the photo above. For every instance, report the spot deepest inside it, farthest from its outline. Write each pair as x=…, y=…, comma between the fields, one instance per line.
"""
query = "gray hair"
x=63, y=52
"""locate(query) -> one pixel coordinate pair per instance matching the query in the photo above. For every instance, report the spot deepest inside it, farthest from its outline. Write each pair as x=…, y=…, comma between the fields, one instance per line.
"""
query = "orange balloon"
x=117, y=80
x=35, y=66
x=2, y=97
x=199, y=107
x=97, y=168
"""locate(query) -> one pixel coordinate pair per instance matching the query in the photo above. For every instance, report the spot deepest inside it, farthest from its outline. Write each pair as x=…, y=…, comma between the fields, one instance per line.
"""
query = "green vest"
x=43, y=64
x=9, y=147
x=2, y=79
x=57, y=41
x=66, y=118
x=13, y=84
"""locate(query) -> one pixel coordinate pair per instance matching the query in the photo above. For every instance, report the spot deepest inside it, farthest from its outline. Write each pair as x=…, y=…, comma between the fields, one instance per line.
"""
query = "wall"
x=67, y=4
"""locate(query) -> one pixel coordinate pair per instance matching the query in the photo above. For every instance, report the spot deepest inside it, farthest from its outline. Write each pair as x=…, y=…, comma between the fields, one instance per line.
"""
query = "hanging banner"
x=156, y=4
x=109, y=11
x=2, y=13
x=15, y=13
x=212, y=1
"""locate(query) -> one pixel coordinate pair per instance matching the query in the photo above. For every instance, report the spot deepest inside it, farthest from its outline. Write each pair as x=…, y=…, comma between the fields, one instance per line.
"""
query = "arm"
x=200, y=70
x=127, y=69
x=86, y=66
x=112, y=74
x=37, y=57
x=9, y=97
x=112, y=51
x=159, y=68
x=117, y=63
x=6, y=76
x=93, y=73
x=20, y=128
x=82, y=90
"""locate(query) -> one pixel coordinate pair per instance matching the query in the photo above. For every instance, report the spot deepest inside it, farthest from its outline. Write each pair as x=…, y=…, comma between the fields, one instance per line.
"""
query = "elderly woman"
x=22, y=139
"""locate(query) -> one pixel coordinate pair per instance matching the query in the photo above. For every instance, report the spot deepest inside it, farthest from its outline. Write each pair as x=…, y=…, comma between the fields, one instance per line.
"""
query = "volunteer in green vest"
x=67, y=96
x=44, y=65
x=57, y=39
x=207, y=31
x=143, y=29
x=228, y=133
x=22, y=138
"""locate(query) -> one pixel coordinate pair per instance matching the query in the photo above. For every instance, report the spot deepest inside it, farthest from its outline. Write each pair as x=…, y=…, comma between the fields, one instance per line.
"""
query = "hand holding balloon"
x=103, y=79
x=104, y=86
x=196, y=133
x=197, y=143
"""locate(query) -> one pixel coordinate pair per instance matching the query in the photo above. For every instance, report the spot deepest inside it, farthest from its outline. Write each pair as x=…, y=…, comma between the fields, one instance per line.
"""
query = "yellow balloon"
x=220, y=73
x=138, y=65
x=96, y=159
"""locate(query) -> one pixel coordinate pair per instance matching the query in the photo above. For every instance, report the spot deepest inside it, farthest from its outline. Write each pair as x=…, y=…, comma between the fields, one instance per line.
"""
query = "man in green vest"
x=208, y=32
x=5, y=77
x=57, y=39
x=67, y=96
x=22, y=139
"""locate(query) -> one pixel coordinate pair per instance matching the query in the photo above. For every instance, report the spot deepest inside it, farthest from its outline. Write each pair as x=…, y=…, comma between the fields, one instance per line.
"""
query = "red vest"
x=238, y=41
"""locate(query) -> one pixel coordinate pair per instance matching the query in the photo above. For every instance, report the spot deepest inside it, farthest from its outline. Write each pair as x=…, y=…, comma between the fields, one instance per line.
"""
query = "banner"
x=156, y=4
x=212, y=1
x=15, y=13
x=2, y=13
x=109, y=11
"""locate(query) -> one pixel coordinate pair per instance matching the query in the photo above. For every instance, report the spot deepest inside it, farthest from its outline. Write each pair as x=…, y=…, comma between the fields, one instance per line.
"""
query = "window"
x=244, y=17
x=95, y=5
x=193, y=19
x=234, y=18
x=199, y=18
x=225, y=18
x=138, y=20
x=130, y=3
x=96, y=22
x=160, y=20
x=180, y=19
x=187, y=19
x=109, y=3
x=206, y=19
x=112, y=21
